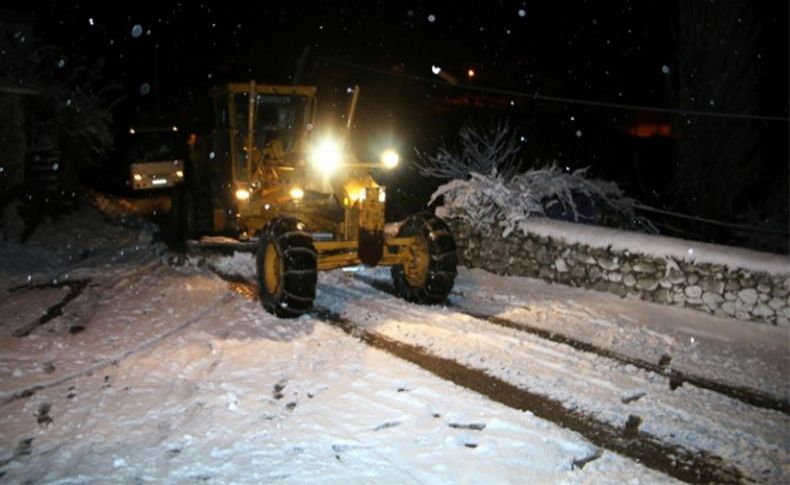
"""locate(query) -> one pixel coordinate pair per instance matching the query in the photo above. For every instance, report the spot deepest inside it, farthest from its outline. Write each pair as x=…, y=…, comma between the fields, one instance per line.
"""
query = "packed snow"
x=156, y=369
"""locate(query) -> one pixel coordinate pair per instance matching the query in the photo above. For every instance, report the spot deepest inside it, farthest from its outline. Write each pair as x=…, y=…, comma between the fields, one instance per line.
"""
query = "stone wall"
x=711, y=288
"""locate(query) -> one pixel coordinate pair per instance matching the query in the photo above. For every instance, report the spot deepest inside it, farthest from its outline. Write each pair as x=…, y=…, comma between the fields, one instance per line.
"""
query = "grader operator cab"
x=266, y=170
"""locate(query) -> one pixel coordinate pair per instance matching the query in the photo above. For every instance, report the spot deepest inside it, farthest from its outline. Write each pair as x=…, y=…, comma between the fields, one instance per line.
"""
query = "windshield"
x=155, y=146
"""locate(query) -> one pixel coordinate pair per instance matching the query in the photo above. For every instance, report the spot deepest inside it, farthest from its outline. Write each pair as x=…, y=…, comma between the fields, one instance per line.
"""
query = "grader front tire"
x=287, y=268
x=429, y=274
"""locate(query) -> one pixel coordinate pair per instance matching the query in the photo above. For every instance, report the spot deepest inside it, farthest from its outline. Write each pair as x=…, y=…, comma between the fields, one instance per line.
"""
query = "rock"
x=730, y=296
x=693, y=278
x=629, y=280
x=712, y=286
x=694, y=301
x=711, y=299
x=644, y=268
x=578, y=273
x=783, y=322
x=786, y=312
x=732, y=285
x=762, y=311
x=648, y=284
x=749, y=295
x=741, y=315
x=676, y=277
x=746, y=282
x=776, y=303
x=594, y=273
x=679, y=298
x=764, y=287
x=664, y=283
x=560, y=265
x=584, y=258
x=609, y=264
x=693, y=291
x=729, y=308
x=614, y=277
x=663, y=296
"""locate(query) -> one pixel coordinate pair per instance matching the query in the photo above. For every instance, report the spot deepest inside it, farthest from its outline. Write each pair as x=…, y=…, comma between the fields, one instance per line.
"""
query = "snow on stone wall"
x=724, y=281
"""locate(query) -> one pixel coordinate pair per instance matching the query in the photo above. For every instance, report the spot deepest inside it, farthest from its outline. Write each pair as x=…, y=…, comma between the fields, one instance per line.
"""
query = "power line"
x=561, y=99
x=731, y=225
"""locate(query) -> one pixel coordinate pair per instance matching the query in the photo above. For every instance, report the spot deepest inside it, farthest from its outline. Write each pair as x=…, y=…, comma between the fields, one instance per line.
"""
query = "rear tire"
x=287, y=267
x=431, y=276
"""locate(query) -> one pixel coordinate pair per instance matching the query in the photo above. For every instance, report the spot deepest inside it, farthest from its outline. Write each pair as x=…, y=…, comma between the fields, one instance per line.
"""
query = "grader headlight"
x=390, y=158
x=326, y=156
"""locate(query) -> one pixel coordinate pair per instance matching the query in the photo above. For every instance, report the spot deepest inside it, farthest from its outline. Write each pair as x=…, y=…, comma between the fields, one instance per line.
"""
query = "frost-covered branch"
x=487, y=200
x=483, y=151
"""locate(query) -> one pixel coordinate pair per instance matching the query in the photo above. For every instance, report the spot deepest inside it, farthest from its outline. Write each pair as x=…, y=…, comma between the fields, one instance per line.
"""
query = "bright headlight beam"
x=326, y=156
x=390, y=158
x=297, y=193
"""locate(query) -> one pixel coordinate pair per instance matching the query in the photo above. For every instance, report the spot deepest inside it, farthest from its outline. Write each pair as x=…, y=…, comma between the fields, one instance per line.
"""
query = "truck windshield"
x=156, y=146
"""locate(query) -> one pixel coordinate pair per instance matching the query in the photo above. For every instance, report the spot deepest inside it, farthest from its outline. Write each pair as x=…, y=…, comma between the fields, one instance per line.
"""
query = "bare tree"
x=489, y=150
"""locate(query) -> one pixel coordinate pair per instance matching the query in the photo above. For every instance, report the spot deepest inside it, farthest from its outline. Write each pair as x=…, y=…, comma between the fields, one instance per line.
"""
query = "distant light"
x=573, y=118
x=131, y=131
x=179, y=174
x=297, y=193
x=175, y=128
x=470, y=73
x=436, y=69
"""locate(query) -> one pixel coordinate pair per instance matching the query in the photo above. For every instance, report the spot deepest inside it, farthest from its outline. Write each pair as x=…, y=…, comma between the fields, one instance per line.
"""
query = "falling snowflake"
x=578, y=133
x=137, y=30
x=522, y=12
x=431, y=18
x=145, y=88
x=665, y=69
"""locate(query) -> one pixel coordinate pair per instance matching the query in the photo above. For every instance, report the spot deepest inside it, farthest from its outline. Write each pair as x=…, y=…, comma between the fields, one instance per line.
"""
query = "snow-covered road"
x=120, y=362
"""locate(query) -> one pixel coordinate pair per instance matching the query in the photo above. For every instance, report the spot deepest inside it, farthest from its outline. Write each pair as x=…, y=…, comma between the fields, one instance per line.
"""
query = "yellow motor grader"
x=265, y=170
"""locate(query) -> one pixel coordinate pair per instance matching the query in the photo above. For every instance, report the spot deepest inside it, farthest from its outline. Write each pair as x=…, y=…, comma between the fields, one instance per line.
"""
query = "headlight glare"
x=326, y=156
x=390, y=158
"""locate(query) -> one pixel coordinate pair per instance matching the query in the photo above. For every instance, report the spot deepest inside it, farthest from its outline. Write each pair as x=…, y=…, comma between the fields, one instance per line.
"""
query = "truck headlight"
x=390, y=158
x=326, y=156
x=242, y=194
x=138, y=177
x=297, y=193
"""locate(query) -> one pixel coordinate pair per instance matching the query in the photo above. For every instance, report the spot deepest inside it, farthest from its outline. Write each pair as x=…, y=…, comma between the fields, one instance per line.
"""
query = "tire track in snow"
x=673, y=460
x=750, y=396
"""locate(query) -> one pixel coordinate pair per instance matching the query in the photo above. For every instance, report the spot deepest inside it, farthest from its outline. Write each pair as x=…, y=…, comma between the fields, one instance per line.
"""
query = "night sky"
x=166, y=55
